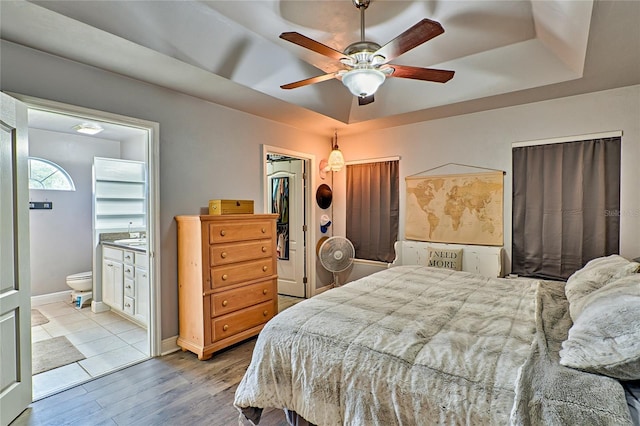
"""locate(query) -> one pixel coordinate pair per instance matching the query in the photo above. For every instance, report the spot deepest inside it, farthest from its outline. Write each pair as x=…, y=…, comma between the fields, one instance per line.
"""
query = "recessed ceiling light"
x=88, y=128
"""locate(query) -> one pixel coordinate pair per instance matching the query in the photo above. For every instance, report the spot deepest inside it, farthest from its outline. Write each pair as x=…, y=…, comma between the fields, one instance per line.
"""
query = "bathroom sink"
x=132, y=242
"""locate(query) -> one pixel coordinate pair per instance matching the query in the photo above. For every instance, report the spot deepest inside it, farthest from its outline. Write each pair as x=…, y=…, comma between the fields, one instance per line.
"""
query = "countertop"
x=140, y=248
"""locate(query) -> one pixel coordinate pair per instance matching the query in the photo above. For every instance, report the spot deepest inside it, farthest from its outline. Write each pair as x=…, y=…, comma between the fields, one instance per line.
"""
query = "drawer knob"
x=265, y=313
x=225, y=327
x=128, y=286
x=223, y=254
x=264, y=249
x=223, y=233
x=264, y=268
x=265, y=291
x=264, y=230
x=224, y=277
x=225, y=303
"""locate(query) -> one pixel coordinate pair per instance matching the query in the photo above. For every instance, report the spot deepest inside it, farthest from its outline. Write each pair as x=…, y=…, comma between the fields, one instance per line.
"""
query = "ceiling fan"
x=367, y=63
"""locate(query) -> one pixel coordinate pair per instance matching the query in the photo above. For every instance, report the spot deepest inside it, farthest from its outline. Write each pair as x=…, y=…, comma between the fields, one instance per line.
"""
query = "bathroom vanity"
x=125, y=280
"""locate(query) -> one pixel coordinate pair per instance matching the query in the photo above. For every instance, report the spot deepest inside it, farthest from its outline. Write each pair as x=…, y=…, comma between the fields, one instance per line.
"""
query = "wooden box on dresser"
x=227, y=279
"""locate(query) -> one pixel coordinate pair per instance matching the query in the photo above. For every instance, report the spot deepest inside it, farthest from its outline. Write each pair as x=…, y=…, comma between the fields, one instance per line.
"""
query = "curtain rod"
x=372, y=160
x=602, y=135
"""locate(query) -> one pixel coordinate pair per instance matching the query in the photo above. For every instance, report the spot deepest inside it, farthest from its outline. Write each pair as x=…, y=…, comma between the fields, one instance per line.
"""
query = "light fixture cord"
x=335, y=144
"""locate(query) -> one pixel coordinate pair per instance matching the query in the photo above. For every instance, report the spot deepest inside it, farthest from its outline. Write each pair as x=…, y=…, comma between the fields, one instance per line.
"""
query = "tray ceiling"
x=503, y=52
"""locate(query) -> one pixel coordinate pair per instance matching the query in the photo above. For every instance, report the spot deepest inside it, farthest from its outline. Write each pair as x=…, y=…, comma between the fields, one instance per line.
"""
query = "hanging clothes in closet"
x=280, y=205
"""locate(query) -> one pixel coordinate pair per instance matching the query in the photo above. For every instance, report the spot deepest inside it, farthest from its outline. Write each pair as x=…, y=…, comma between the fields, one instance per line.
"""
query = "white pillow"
x=444, y=258
x=605, y=339
x=594, y=275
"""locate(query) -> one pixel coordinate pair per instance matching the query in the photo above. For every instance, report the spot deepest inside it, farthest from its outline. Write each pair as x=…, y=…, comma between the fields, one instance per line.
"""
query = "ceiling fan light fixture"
x=363, y=82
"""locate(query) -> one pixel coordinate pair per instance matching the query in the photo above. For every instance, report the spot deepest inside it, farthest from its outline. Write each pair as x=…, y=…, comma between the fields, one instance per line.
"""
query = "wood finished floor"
x=176, y=389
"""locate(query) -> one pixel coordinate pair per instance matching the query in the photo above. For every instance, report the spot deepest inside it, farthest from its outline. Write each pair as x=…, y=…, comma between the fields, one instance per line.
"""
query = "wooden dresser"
x=227, y=279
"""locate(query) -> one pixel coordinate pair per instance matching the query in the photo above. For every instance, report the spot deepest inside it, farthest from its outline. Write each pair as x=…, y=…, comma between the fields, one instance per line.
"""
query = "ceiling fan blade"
x=311, y=44
x=421, y=32
x=366, y=100
x=416, y=73
x=309, y=81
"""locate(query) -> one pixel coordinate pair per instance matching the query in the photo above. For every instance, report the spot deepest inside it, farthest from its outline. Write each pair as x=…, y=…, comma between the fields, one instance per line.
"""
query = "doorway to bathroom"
x=113, y=210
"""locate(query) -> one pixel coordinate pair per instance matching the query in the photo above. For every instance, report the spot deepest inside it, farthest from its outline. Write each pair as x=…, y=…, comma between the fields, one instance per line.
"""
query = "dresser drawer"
x=220, y=232
x=223, y=276
x=223, y=254
x=236, y=322
x=239, y=298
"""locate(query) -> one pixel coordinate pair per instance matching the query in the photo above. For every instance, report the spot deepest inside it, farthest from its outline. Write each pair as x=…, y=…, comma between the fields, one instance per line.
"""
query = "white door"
x=286, y=186
x=15, y=292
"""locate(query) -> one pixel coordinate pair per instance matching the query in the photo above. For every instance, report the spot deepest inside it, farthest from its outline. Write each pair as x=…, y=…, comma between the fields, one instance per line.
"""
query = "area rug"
x=53, y=353
x=37, y=318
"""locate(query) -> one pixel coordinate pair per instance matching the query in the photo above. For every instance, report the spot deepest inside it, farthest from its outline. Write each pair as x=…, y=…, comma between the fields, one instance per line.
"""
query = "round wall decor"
x=324, y=195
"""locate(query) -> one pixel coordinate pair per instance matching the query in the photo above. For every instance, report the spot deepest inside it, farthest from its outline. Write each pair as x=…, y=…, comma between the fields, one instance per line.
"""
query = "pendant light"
x=336, y=160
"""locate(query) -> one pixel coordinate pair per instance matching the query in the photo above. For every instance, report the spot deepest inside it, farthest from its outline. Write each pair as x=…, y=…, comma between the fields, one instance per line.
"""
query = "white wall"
x=206, y=151
x=484, y=139
x=134, y=148
x=61, y=238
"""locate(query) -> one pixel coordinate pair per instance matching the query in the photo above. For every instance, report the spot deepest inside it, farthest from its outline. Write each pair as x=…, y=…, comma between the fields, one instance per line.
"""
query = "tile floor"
x=107, y=340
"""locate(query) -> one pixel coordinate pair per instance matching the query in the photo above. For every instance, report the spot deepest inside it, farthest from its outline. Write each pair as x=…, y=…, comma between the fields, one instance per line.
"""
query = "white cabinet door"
x=142, y=295
x=112, y=283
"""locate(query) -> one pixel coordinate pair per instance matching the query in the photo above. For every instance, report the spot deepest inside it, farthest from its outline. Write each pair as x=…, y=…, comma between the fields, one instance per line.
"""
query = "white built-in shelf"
x=119, y=194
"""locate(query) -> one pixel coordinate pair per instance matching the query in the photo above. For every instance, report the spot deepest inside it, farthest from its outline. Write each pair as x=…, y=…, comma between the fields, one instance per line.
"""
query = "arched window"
x=45, y=174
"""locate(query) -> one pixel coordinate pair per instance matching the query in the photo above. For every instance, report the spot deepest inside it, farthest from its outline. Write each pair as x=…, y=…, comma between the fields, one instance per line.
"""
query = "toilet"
x=82, y=286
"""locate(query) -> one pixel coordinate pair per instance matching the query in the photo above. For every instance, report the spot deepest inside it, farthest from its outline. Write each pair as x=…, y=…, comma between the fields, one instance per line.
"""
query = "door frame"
x=153, y=204
x=309, y=211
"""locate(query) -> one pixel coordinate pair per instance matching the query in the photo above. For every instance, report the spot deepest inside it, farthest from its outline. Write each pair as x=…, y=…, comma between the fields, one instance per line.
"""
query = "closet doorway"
x=286, y=192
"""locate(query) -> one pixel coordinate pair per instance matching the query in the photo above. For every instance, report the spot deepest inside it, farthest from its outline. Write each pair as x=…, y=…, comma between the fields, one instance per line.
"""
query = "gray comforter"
x=414, y=345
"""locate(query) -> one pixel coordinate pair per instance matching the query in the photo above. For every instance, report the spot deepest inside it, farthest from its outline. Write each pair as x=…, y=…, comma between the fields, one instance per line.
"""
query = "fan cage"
x=336, y=254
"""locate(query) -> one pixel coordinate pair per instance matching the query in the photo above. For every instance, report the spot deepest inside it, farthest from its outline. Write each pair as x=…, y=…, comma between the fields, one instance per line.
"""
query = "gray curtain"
x=566, y=206
x=373, y=209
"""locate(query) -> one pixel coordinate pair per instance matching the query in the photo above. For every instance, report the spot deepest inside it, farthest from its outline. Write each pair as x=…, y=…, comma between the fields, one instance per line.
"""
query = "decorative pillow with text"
x=445, y=258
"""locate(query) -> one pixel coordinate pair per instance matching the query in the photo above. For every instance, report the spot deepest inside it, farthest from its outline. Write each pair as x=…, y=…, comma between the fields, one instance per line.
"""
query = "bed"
x=415, y=345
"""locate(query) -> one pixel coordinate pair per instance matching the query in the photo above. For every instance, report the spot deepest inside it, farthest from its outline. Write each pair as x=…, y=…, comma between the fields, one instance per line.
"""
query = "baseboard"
x=169, y=346
x=323, y=289
x=97, y=307
x=44, y=299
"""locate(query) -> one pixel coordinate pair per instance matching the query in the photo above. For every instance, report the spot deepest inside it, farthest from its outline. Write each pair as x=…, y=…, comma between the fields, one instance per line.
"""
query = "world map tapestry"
x=461, y=208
